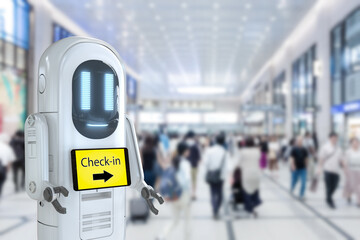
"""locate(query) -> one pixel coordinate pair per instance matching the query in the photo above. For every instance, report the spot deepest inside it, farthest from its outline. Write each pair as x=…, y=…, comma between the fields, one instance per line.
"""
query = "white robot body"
x=64, y=213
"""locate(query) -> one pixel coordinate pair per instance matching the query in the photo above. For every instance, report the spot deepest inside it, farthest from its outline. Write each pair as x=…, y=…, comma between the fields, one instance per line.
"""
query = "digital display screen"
x=100, y=168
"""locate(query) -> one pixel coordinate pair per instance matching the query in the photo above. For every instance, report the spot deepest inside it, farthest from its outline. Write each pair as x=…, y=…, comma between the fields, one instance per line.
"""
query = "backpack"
x=169, y=186
x=194, y=156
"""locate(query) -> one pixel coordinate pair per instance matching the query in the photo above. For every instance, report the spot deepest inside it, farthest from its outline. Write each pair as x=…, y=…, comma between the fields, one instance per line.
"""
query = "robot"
x=81, y=149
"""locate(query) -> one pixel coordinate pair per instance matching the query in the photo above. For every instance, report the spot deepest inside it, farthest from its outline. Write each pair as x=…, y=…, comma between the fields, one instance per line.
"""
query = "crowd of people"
x=175, y=161
x=309, y=163
x=241, y=161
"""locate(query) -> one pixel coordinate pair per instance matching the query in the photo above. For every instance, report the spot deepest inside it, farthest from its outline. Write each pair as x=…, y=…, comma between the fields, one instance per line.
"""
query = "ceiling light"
x=244, y=18
x=125, y=34
x=158, y=18
x=201, y=90
x=187, y=18
x=184, y=5
x=248, y=6
x=188, y=28
x=87, y=5
x=152, y=5
x=99, y=2
x=216, y=5
x=99, y=17
x=162, y=28
x=130, y=17
x=282, y=4
x=215, y=18
x=272, y=18
x=215, y=28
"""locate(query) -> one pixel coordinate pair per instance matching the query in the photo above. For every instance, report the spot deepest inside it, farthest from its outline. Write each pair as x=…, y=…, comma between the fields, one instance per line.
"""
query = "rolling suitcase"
x=139, y=210
x=237, y=189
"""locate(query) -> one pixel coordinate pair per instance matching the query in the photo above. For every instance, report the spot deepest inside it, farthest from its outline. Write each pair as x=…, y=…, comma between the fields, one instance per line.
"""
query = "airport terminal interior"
x=247, y=118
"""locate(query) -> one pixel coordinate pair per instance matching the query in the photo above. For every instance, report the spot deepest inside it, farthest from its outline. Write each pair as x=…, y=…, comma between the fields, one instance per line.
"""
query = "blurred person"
x=330, y=161
x=7, y=156
x=288, y=150
x=232, y=144
x=352, y=171
x=249, y=163
x=164, y=140
x=174, y=141
x=283, y=146
x=298, y=164
x=316, y=142
x=181, y=204
x=226, y=143
x=204, y=142
x=257, y=141
x=264, y=147
x=194, y=158
x=148, y=156
x=215, y=165
x=18, y=166
x=274, y=149
x=309, y=145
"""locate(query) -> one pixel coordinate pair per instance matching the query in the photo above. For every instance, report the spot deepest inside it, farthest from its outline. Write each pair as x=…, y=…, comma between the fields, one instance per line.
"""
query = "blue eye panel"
x=85, y=90
x=94, y=95
x=109, y=90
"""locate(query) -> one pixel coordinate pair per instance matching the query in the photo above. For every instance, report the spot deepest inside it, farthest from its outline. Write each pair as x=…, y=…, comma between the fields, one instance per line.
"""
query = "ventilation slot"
x=95, y=196
x=96, y=221
x=94, y=215
x=87, y=229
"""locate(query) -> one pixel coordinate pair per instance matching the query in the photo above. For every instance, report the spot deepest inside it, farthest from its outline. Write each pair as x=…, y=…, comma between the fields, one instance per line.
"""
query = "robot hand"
x=38, y=186
x=51, y=194
x=136, y=170
x=149, y=193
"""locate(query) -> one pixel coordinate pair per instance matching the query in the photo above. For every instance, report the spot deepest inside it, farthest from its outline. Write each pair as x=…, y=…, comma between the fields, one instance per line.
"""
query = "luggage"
x=237, y=188
x=139, y=210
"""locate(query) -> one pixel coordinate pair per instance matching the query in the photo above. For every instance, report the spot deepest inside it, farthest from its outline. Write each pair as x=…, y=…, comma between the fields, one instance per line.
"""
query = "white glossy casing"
x=36, y=154
x=90, y=214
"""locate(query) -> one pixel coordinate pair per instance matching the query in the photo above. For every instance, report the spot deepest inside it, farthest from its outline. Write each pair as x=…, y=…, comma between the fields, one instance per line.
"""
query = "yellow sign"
x=100, y=168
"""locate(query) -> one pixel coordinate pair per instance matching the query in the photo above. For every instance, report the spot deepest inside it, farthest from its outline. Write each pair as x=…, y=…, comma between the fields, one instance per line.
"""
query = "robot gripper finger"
x=148, y=193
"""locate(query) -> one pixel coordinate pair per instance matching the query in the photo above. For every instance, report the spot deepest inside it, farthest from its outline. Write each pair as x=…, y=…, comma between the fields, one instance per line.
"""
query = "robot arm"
x=136, y=170
x=38, y=186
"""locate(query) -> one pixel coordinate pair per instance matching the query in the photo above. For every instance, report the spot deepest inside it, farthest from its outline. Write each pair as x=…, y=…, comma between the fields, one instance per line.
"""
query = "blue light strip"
x=109, y=92
x=97, y=125
x=85, y=91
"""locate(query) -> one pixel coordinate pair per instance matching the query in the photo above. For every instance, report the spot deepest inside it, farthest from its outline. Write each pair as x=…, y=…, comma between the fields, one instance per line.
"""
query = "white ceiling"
x=173, y=44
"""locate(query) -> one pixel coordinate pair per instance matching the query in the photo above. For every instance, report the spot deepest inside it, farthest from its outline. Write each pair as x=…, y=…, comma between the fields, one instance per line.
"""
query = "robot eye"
x=94, y=99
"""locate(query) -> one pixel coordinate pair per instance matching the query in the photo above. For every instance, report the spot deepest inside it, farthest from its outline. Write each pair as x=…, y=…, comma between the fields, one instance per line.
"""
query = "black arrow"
x=102, y=176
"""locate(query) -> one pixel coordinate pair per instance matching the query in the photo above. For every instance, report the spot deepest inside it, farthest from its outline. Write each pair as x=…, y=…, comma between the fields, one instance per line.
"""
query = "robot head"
x=95, y=104
x=83, y=80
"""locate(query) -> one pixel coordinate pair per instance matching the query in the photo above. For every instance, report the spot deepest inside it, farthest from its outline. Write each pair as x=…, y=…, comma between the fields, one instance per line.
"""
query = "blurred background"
x=251, y=88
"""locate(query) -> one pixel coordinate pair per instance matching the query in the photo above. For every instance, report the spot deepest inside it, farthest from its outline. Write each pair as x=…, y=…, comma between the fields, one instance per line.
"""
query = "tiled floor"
x=281, y=216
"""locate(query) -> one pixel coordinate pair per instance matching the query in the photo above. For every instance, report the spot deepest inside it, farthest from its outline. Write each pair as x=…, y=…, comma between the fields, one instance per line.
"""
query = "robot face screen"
x=94, y=99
